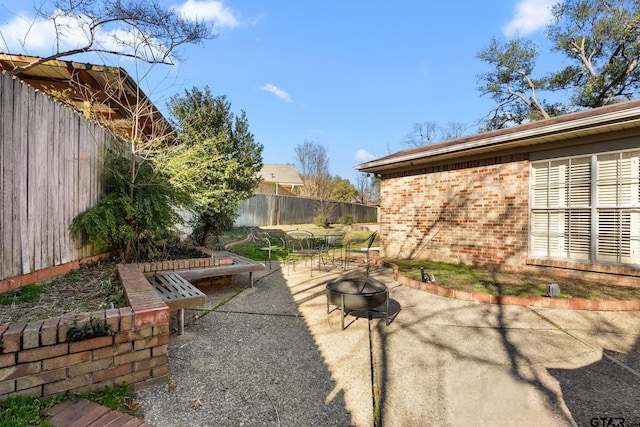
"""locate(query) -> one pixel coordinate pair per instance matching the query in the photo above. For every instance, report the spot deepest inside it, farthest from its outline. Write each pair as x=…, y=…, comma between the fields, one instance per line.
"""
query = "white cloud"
x=363, y=155
x=35, y=35
x=531, y=16
x=215, y=11
x=277, y=92
x=22, y=31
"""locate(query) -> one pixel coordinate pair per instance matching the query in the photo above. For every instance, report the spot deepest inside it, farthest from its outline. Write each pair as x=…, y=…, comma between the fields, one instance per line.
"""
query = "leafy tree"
x=510, y=83
x=146, y=31
x=132, y=215
x=313, y=167
x=217, y=159
x=601, y=38
x=138, y=206
x=342, y=189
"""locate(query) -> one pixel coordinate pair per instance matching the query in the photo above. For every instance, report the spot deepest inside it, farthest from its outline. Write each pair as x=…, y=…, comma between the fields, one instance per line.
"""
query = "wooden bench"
x=240, y=265
x=178, y=293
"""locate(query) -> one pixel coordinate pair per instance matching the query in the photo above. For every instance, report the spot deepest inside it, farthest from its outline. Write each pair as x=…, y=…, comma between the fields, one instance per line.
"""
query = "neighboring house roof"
x=281, y=174
x=105, y=94
x=616, y=117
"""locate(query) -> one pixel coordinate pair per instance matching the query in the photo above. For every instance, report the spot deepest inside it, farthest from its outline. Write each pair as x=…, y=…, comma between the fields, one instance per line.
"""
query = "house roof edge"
x=613, y=117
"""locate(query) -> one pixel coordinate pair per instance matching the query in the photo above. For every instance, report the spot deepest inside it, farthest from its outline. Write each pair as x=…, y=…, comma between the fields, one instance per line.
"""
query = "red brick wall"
x=37, y=360
x=473, y=212
x=17, y=282
x=470, y=212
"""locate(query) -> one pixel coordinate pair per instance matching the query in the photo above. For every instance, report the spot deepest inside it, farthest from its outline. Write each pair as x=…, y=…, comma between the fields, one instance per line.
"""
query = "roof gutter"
x=516, y=136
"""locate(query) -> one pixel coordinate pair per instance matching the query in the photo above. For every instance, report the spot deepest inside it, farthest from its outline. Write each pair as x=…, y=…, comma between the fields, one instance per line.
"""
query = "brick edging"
x=13, y=283
x=148, y=307
x=573, y=304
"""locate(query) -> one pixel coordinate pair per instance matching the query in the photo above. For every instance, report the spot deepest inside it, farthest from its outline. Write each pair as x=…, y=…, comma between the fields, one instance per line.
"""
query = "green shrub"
x=132, y=215
x=321, y=220
x=347, y=220
x=29, y=294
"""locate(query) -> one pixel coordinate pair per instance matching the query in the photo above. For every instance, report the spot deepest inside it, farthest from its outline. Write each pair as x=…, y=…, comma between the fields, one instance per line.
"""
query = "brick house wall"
x=466, y=200
x=471, y=212
x=474, y=212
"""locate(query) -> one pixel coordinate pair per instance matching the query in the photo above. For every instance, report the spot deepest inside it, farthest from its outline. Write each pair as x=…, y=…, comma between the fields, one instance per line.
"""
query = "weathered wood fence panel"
x=51, y=169
x=271, y=209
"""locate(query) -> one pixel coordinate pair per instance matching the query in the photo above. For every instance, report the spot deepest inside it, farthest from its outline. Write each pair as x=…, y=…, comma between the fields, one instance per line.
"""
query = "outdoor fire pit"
x=356, y=291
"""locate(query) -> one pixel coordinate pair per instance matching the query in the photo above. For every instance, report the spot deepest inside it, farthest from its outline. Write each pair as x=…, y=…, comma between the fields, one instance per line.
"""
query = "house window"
x=586, y=208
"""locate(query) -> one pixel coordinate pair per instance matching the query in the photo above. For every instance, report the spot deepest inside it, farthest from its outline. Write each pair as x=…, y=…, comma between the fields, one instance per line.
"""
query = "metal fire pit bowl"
x=356, y=291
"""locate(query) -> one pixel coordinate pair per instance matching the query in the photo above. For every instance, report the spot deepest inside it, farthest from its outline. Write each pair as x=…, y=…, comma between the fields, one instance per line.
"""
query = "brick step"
x=83, y=413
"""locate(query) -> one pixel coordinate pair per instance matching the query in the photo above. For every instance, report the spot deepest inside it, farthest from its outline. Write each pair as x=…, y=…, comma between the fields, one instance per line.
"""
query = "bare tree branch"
x=148, y=32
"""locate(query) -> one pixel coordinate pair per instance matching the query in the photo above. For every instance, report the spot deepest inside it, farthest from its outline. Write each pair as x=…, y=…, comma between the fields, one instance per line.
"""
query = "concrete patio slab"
x=271, y=355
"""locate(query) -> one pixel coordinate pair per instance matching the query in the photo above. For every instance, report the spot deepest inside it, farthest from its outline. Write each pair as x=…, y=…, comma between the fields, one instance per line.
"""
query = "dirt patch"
x=92, y=287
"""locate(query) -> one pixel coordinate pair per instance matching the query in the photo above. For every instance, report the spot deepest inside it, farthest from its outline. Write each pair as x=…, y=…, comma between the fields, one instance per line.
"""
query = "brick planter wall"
x=37, y=360
x=13, y=283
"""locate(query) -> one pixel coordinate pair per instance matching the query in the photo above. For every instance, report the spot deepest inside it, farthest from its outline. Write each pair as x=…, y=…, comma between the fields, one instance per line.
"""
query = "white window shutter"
x=564, y=208
x=579, y=183
x=557, y=234
x=634, y=212
x=617, y=196
x=539, y=234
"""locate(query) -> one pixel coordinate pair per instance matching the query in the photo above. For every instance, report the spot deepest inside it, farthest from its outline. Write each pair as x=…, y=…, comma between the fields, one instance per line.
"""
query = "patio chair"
x=301, y=244
x=267, y=242
x=354, y=246
x=333, y=242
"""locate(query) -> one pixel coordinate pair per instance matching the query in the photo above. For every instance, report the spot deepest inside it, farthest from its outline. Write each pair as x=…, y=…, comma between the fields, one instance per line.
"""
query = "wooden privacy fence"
x=271, y=209
x=51, y=161
x=52, y=168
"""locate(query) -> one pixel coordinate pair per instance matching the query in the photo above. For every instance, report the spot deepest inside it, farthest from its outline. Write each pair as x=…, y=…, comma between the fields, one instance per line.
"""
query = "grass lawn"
x=494, y=282
x=466, y=277
x=246, y=249
x=28, y=411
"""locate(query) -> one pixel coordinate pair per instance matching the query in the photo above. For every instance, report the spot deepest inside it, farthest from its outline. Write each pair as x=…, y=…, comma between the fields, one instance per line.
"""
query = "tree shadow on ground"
x=582, y=396
x=605, y=392
x=521, y=367
x=514, y=353
x=248, y=358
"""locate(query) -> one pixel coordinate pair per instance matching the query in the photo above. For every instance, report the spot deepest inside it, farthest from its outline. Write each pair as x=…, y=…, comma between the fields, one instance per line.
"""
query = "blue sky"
x=353, y=76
